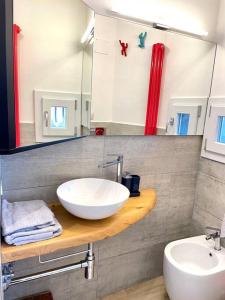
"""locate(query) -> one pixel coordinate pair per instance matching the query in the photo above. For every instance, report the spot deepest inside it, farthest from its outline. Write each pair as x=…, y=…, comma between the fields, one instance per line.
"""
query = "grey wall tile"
x=211, y=195
x=212, y=168
x=124, y=270
x=32, y=265
x=38, y=172
x=27, y=134
x=167, y=164
x=132, y=146
x=187, y=180
x=209, y=206
x=160, y=182
x=188, y=144
x=46, y=193
x=204, y=218
x=58, y=285
x=53, y=165
x=66, y=286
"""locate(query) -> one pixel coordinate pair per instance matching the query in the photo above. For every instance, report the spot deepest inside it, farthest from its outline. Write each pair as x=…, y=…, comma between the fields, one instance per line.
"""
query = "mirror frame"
x=7, y=103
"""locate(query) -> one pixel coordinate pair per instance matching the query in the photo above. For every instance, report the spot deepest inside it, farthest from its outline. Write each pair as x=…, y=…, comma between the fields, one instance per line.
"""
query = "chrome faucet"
x=118, y=161
x=215, y=236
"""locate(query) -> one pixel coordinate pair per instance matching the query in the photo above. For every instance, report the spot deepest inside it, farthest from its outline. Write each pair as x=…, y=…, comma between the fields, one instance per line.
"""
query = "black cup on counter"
x=132, y=182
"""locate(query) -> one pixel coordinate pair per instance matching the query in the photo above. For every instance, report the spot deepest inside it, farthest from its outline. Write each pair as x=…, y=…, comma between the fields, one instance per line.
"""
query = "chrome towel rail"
x=61, y=257
x=87, y=264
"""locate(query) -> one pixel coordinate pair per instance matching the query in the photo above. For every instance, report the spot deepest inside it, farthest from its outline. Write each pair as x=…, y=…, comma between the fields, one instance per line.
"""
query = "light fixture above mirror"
x=160, y=18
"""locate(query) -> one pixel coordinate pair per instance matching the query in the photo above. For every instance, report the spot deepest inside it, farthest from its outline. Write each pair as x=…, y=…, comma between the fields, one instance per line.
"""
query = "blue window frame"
x=221, y=130
x=183, y=120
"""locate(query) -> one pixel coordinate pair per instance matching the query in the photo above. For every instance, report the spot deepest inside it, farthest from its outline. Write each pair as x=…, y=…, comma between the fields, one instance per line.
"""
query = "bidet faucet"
x=118, y=161
x=215, y=236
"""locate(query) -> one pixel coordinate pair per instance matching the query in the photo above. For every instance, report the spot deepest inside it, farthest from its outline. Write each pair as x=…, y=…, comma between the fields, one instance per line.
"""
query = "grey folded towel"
x=25, y=216
x=25, y=237
x=27, y=222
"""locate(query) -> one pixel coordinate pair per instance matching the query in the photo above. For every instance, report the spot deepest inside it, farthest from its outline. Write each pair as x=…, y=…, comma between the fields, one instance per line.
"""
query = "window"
x=214, y=136
x=183, y=123
x=58, y=117
x=221, y=130
x=186, y=116
x=57, y=114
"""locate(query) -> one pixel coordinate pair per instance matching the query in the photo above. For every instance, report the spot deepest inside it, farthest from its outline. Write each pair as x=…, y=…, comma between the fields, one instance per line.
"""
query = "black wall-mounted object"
x=7, y=102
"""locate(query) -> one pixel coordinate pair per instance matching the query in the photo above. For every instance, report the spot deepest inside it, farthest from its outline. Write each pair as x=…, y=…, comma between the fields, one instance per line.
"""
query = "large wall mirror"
x=52, y=36
x=47, y=71
x=161, y=85
x=75, y=73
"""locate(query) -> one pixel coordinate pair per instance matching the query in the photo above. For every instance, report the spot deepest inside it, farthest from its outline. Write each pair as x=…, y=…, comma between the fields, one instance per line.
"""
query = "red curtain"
x=16, y=31
x=158, y=52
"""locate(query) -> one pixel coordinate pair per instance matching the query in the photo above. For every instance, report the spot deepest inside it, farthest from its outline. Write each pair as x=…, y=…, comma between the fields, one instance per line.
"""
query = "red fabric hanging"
x=16, y=31
x=158, y=52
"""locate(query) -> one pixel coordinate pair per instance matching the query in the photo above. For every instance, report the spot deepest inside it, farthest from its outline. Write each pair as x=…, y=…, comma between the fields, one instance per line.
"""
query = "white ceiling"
x=193, y=13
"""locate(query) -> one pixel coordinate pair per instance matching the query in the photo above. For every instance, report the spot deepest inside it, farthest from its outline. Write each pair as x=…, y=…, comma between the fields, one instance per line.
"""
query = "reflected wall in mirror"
x=52, y=36
x=123, y=94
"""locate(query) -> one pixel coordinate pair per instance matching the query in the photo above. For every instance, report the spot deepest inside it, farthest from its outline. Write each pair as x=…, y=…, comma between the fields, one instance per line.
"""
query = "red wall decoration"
x=158, y=52
x=124, y=47
x=16, y=31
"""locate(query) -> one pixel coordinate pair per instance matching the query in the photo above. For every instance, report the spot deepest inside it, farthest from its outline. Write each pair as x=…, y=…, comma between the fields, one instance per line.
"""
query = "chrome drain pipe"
x=87, y=264
x=90, y=259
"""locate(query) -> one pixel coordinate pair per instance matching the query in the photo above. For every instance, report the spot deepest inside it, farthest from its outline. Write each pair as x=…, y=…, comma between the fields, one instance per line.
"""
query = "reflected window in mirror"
x=221, y=130
x=214, y=135
x=183, y=123
x=58, y=117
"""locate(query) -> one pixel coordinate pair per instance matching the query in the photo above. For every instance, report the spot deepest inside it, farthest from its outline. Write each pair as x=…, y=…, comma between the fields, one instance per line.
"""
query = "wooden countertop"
x=78, y=232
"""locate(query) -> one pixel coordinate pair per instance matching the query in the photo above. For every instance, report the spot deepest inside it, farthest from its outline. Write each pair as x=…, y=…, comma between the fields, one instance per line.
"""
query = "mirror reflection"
x=78, y=74
x=149, y=81
x=50, y=39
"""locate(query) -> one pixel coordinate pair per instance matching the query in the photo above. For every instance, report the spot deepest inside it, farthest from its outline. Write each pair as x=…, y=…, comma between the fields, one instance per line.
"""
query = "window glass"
x=182, y=123
x=221, y=130
x=58, y=117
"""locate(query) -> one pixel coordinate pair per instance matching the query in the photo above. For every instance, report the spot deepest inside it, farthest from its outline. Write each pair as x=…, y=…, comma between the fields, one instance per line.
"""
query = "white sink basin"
x=91, y=198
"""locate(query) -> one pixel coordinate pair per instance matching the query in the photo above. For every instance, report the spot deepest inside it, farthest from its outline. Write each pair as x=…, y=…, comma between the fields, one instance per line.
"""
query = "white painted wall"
x=103, y=69
x=120, y=84
x=50, y=50
x=187, y=71
x=218, y=88
x=188, y=13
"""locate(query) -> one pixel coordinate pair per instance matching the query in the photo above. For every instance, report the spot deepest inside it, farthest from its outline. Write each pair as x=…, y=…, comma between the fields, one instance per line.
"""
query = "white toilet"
x=194, y=270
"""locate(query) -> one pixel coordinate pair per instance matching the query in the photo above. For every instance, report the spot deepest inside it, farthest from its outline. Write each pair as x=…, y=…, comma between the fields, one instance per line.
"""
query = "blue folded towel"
x=28, y=221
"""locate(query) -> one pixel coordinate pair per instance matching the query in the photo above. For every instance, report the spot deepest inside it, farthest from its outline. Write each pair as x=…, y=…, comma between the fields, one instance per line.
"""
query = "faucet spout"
x=118, y=161
x=215, y=236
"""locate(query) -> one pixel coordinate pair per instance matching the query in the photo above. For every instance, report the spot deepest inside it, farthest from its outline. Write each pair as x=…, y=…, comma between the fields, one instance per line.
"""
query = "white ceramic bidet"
x=194, y=270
